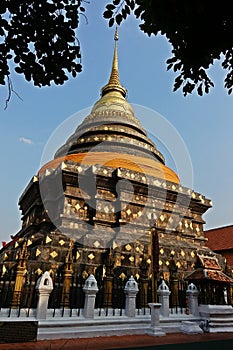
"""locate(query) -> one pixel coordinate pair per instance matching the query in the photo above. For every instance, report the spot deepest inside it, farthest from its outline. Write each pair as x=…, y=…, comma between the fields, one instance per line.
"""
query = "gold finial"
x=116, y=34
x=114, y=80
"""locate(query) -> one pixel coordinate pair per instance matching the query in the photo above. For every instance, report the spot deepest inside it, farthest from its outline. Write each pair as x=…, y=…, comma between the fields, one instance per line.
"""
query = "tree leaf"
x=111, y=22
x=199, y=90
x=169, y=66
x=178, y=81
x=118, y=19
x=132, y=5
x=127, y=10
x=138, y=12
x=108, y=14
x=110, y=7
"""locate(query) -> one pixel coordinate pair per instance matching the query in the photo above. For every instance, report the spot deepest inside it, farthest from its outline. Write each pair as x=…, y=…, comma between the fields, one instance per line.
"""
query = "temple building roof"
x=209, y=270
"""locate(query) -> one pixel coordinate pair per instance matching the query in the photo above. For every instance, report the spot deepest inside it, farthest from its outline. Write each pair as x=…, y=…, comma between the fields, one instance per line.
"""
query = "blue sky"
x=204, y=123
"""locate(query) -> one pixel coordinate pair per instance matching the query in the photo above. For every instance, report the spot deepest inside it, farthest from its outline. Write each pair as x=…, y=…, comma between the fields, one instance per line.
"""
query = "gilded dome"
x=112, y=135
x=142, y=165
x=112, y=105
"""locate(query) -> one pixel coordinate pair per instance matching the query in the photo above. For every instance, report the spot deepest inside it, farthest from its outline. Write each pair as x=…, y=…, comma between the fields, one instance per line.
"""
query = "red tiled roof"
x=210, y=270
x=218, y=276
x=209, y=262
x=229, y=257
x=220, y=238
x=213, y=275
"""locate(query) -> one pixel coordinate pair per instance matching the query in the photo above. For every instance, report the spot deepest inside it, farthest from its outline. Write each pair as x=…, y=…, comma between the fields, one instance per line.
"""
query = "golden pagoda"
x=95, y=208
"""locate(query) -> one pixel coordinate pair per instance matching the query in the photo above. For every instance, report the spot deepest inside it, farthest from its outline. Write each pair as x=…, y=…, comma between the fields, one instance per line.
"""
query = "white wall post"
x=192, y=294
x=90, y=289
x=131, y=290
x=164, y=293
x=154, y=328
x=44, y=287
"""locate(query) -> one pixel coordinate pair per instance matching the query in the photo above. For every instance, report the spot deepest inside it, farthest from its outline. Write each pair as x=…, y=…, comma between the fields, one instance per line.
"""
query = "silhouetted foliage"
x=199, y=32
x=39, y=38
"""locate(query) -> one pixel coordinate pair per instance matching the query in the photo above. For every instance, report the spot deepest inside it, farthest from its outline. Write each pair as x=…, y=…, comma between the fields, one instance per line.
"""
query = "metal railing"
x=110, y=298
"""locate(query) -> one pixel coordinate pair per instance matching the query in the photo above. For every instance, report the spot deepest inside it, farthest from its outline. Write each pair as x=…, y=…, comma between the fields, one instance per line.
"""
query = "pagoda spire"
x=114, y=80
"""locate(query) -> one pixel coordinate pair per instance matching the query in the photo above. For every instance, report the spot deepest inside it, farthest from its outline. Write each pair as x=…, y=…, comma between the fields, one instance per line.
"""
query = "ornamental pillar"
x=44, y=288
x=192, y=294
x=108, y=280
x=67, y=278
x=20, y=273
x=131, y=290
x=90, y=289
x=164, y=293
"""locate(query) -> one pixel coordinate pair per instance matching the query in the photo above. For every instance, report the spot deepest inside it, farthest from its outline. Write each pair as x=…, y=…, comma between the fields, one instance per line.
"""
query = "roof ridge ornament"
x=114, y=80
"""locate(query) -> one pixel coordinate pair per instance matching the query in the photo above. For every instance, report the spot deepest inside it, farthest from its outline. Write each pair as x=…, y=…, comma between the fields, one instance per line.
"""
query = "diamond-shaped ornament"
x=77, y=206
x=96, y=244
x=53, y=254
x=91, y=256
x=122, y=276
x=39, y=271
x=128, y=212
x=128, y=247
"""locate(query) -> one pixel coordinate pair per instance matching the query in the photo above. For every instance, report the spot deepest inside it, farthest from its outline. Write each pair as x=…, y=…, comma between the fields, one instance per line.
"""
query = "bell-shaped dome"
x=113, y=100
x=111, y=131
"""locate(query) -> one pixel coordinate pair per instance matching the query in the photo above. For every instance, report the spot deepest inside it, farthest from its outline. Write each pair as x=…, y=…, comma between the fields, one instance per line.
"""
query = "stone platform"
x=217, y=318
